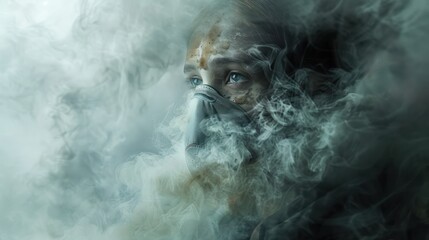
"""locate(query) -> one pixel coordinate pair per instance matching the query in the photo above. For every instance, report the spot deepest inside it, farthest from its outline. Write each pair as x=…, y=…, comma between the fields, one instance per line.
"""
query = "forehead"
x=218, y=39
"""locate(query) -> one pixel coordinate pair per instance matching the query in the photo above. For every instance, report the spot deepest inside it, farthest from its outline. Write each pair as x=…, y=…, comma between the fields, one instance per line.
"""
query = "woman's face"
x=219, y=56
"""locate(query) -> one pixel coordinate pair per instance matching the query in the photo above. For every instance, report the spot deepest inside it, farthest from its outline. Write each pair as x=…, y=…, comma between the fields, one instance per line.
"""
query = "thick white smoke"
x=93, y=112
x=84, y=86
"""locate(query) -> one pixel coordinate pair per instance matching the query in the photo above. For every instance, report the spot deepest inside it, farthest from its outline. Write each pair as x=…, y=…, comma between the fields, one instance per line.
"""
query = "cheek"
x=247, y=99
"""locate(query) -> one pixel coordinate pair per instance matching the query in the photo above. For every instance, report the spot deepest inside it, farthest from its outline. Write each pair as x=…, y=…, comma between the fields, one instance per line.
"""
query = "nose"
x=209, y=79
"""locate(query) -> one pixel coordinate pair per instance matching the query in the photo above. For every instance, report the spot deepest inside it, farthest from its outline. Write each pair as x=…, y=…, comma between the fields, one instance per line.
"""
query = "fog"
x=93, y=107
x=84, y=86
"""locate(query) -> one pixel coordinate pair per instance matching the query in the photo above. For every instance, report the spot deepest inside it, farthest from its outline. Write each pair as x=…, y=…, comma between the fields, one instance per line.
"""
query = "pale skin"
x=218, y=58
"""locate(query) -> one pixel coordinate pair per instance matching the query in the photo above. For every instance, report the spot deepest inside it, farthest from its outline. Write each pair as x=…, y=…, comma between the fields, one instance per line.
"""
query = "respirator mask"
x=208, y=105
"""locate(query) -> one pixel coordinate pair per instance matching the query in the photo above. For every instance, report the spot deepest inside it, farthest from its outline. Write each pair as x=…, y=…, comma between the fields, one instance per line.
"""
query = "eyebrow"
x=242, y=59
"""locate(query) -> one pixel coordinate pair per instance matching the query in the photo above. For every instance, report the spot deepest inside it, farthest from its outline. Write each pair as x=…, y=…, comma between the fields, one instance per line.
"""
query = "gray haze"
x=84, y=84
x=93, y=108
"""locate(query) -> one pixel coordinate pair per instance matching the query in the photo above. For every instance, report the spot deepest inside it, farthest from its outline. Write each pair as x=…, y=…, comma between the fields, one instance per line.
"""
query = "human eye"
x=235, y=78
x=195, y=81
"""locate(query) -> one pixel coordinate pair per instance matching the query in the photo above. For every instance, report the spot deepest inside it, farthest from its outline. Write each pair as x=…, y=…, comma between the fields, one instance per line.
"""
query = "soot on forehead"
x=216, y=40
x=219, y=38
x=203, y=45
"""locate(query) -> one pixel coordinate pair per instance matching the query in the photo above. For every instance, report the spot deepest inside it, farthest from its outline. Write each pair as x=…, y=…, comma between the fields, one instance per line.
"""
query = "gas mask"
x=208, y=104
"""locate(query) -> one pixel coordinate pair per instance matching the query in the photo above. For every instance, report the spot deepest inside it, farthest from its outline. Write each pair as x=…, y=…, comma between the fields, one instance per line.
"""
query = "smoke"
x=84, y=85
x=94, y=106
